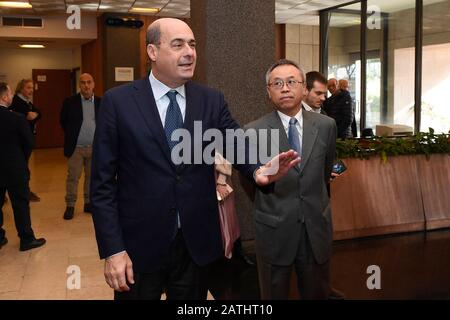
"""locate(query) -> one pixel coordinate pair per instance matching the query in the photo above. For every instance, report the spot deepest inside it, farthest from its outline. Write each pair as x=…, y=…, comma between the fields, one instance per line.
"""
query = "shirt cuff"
x=116, y=254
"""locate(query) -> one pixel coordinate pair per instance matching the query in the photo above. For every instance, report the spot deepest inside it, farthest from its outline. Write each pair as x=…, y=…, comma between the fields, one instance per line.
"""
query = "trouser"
x=179, y=277
x=19, y=197
x=80, y=158
x=313, y=279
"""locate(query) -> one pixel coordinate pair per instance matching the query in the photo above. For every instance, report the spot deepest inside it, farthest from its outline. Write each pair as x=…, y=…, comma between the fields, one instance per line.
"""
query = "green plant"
x=422, y=143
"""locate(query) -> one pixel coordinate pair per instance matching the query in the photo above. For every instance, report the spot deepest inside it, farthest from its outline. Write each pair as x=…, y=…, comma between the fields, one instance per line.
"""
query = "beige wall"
x=17, y=64
x=302, y=45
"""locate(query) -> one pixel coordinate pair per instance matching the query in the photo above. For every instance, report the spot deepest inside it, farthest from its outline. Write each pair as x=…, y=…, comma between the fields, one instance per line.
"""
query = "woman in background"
x=22, y=104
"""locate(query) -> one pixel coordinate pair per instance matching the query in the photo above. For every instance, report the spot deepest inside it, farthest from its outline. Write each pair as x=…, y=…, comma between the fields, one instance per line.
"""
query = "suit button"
x=302, y=198
x=178, y=178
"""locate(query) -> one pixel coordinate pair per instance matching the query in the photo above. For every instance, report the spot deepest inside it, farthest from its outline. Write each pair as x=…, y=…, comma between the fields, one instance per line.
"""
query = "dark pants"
x=313, y=279
x=19, y=195
x=179, y=277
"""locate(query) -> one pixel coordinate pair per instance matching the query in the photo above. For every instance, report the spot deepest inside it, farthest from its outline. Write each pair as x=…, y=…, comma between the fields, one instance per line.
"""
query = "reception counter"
x=404, y=194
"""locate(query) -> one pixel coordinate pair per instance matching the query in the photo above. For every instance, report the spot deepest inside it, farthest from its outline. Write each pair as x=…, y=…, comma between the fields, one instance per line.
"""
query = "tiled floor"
x=413, y=266
x=41, y=273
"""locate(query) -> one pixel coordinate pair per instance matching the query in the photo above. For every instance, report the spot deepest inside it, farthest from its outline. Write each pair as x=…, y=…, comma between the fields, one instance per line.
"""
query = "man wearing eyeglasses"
x=293, y=220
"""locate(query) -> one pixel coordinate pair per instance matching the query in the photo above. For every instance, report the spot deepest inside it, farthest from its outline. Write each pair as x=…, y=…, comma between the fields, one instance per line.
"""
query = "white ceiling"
x=286, y=11
x=302, y=11
x=390, y=6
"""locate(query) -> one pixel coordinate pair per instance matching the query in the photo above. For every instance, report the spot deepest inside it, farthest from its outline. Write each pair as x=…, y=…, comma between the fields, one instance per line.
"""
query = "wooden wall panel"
x=374, y=198
x=92, y=58
x=280, y=41
x=434, y=176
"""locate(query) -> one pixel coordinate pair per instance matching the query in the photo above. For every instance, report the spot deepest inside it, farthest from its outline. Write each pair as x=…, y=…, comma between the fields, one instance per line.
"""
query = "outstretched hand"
x=276, y=168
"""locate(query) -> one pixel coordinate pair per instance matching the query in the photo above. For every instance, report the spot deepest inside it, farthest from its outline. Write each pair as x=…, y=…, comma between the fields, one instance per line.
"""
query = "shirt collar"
x=91, y=99
x=160, y=89
x=308, y=108
x=21, y=96
x=285, y=119
x=2, y=106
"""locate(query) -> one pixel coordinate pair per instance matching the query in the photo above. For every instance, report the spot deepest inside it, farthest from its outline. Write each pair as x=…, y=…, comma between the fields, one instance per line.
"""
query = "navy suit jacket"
x=136, y=190
x=71, y=119
x=16, y=141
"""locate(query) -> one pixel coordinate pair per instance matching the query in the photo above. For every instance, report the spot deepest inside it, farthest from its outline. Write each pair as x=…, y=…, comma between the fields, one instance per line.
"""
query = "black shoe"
x=88, y=208
x=68, y=214
x=336, y=295
x=34, y=197
x=3, y=242
x=31, y=245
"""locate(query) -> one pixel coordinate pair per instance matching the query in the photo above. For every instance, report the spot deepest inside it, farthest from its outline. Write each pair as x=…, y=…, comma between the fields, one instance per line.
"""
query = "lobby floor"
x=413, y=266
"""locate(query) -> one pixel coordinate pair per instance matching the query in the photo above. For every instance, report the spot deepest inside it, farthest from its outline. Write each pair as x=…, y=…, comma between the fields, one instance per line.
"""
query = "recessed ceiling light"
x=32, y=46
x=16, y=4
x=145, y=10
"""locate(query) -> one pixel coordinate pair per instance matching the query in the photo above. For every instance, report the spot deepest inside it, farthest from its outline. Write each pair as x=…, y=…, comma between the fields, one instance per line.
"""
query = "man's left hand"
x=276, y=168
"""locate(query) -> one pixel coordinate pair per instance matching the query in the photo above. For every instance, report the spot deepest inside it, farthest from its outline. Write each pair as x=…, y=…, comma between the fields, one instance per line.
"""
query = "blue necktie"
x=174, y=118
x=294, y=139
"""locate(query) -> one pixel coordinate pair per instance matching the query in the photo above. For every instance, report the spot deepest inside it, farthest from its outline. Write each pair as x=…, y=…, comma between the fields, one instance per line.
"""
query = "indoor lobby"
x=390, y=209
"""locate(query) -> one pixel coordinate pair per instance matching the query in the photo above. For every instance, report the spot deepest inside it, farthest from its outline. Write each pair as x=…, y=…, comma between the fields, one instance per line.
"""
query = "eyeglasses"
x=291, y=83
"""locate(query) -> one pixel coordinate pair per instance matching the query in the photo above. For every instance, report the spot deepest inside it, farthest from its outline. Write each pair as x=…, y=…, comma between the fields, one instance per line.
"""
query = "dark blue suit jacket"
x=136, y=190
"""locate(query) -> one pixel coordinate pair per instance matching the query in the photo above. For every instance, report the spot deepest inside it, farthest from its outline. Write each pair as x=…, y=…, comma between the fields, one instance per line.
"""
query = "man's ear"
x=268, y=92
x=306, y=92
x=152, y=52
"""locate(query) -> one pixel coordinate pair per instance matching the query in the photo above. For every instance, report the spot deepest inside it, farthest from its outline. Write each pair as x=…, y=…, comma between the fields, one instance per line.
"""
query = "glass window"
x=390, y=63
x=344, y=53
x=436, y=66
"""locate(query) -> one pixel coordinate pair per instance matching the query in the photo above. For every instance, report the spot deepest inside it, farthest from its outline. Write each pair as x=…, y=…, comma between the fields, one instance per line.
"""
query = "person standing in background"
x=22, y=104
x=339, y=107
x=316, y=92
x=16, y=141
x=78, y=121
x=344, y=86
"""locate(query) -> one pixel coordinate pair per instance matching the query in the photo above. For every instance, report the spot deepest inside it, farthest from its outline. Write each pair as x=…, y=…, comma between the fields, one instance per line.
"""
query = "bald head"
x=333, y=86
x=171, y=48
x=343, y=84
x=87, y=85
x=156, y=29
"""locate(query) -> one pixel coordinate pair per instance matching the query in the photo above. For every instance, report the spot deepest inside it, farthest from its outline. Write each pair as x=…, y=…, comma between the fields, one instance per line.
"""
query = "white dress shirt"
x=162, y=100
x=308, y=108
x=285, y=120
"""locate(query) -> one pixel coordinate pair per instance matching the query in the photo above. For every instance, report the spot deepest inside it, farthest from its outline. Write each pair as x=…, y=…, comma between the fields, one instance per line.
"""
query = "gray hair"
x=283, y=62
x=153, y=34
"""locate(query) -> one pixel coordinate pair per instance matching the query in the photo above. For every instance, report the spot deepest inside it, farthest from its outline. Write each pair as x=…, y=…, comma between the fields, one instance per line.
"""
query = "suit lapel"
x=308, y=138
x=193, y=108
x=283, y=145
x=147, y=106
x=79, y=108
